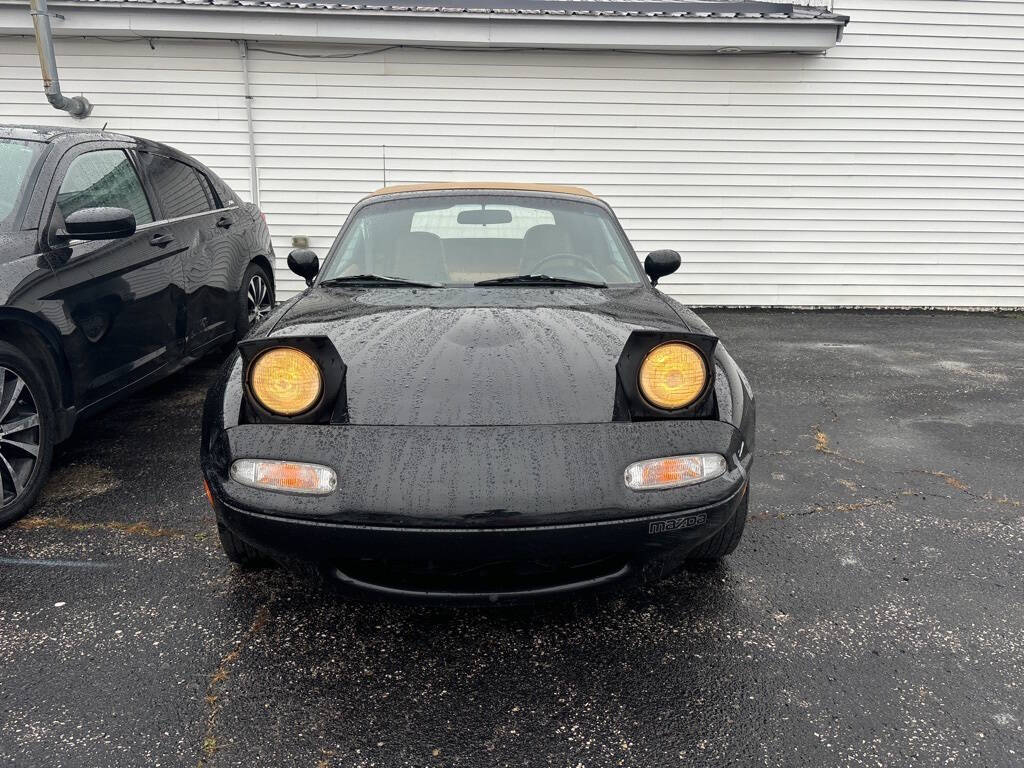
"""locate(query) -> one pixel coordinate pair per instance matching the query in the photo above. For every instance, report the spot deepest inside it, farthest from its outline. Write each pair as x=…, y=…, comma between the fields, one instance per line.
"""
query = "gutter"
x=663, y=34
x=76, y=106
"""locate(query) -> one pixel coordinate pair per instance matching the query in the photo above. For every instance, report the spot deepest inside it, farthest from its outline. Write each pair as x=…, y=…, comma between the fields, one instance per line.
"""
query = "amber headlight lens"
x=672, y=375
x=286, y=381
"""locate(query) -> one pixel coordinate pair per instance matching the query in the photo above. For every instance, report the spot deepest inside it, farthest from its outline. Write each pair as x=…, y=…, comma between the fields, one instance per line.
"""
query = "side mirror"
x=100, y=224
x=304, y=263
x=661, y=263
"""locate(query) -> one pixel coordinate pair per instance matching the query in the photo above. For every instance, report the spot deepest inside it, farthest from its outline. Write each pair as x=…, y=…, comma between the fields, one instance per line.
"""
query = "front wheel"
x=240, y=552
x=725, y=541
x=26, y=433
x=256, y=298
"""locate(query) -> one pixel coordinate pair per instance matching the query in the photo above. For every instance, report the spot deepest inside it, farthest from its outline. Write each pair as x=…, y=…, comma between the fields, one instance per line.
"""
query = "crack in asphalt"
x=1004, y=499
x=209, y=746
x=138, y=528
x=817, y=508
x=822, y=444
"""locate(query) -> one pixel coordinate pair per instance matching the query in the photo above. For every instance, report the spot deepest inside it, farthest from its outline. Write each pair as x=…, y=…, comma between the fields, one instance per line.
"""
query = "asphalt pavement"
x=872, y=616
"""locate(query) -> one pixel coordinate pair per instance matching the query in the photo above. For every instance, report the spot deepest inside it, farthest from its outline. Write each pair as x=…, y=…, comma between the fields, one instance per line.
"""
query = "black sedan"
x=121, y=260
x=481, y=397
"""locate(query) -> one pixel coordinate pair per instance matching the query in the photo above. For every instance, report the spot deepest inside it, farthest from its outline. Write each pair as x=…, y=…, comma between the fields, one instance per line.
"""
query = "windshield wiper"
x=540, y=280
x=378, y=280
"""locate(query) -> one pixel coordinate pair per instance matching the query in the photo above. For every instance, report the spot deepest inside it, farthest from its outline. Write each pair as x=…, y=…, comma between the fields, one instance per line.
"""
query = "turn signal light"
x=286, y=381
x=673, y=375
x=674, y=471
x=290, y=476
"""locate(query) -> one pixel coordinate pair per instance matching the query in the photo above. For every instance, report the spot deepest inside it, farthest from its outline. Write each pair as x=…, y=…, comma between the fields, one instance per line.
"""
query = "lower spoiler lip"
x=476, y=598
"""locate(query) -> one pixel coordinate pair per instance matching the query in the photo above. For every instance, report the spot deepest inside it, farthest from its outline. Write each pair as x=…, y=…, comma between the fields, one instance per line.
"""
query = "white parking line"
x=53, y=563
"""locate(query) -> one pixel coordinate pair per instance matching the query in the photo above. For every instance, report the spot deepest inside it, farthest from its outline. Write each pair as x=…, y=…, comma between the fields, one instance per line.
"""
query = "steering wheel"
x=575, y=258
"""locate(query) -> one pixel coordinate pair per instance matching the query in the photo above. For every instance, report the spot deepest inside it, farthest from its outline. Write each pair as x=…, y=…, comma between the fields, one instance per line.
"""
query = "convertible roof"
x=558, y=189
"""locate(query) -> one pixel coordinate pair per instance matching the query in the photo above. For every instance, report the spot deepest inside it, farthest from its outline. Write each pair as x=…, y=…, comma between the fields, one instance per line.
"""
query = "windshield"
x=463, y=239
x=16, y=161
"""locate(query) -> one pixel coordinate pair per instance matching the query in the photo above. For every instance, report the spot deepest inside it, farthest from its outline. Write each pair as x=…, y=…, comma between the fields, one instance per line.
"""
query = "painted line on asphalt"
x=31, y=561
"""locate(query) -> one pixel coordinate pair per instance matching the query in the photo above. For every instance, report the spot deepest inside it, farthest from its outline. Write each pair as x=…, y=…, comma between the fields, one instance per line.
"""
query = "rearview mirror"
x=100, y=223
x=304, y=263
x=661, y=263
x=485, y=216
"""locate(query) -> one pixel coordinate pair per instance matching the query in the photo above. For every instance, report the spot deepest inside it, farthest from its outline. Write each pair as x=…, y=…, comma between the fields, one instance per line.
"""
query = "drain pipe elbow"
x=76, y=106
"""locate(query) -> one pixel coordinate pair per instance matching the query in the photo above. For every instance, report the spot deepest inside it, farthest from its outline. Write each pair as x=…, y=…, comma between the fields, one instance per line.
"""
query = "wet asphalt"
x=873, y=615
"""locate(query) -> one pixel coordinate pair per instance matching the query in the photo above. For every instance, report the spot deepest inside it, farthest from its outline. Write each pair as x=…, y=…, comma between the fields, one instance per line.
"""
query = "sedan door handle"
x=224, y=222
x=160, y=239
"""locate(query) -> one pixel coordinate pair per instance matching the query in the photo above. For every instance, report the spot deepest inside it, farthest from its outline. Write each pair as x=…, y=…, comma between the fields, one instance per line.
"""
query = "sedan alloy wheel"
x=20, y=436
x=258, y=299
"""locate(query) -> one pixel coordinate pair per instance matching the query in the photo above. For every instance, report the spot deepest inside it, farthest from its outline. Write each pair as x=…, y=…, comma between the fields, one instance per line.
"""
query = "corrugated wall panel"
x=188, y=94
x=889, y=172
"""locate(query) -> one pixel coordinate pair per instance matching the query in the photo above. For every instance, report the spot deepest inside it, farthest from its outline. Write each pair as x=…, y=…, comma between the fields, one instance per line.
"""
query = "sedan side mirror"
x=100, y=223
x=304, y=263
x=661, y=263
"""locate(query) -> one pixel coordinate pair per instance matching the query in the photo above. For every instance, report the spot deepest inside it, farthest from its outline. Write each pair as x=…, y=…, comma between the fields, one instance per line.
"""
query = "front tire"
x=26, y=433
x=256, y=298
x=725, y=541
x=240, y=552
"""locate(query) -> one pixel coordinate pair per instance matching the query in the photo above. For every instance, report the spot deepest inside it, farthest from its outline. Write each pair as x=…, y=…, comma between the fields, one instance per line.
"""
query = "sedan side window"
x=181, y=191
x=100, y=179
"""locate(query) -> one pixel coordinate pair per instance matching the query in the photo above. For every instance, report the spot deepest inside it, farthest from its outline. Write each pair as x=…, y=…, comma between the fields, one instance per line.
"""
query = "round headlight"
x=673, y=375
x=286, y=381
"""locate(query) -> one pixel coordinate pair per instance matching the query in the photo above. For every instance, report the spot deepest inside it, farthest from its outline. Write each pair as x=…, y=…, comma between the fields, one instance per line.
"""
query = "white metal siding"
x=887, y=173
x=188, y=94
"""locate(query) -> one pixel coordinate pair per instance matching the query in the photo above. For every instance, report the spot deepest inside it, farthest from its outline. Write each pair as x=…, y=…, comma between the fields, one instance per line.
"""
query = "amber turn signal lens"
x=674, y=471
x=672, y=375
x=293, y=476
x=286, y=381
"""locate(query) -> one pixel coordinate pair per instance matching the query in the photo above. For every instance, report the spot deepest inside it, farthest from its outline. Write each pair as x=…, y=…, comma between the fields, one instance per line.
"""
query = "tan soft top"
x=559, y=189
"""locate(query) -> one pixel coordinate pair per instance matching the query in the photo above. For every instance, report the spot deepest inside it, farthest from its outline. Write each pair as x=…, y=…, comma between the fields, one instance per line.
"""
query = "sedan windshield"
x=16, y=161
x=466, y=239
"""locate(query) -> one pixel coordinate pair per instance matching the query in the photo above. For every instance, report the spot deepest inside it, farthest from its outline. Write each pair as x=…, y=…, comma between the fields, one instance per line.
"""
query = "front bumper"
x=479, y=514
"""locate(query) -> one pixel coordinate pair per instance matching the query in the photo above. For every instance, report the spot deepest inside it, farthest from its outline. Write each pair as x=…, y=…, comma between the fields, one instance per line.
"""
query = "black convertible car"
x=121, y=260
x=481, y=397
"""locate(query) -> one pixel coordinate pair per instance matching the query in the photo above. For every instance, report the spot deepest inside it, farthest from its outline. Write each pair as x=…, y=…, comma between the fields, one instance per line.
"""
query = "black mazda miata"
x=481, y=397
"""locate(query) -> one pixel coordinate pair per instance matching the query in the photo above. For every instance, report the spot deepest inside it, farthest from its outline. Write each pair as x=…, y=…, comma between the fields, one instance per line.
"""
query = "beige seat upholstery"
x=541, y=241
x=420, y=256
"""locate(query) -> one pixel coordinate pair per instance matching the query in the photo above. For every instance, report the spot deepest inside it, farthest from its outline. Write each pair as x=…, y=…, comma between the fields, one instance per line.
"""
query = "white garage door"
x=887, y=173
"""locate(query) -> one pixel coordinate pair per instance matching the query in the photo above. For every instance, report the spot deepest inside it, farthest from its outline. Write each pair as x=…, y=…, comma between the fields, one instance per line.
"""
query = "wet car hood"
x=481, y=356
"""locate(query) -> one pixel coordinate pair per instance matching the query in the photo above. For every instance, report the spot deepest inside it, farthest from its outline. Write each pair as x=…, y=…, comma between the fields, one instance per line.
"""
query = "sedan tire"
x=26, y=433
x=256, y=299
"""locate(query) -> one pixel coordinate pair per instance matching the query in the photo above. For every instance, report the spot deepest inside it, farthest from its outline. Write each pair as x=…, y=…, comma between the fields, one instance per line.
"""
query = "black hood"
x=479, y=356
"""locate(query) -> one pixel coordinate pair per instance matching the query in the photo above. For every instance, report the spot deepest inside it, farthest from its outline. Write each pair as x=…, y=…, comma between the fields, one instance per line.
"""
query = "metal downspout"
x=76, y=106
x=254, y=180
